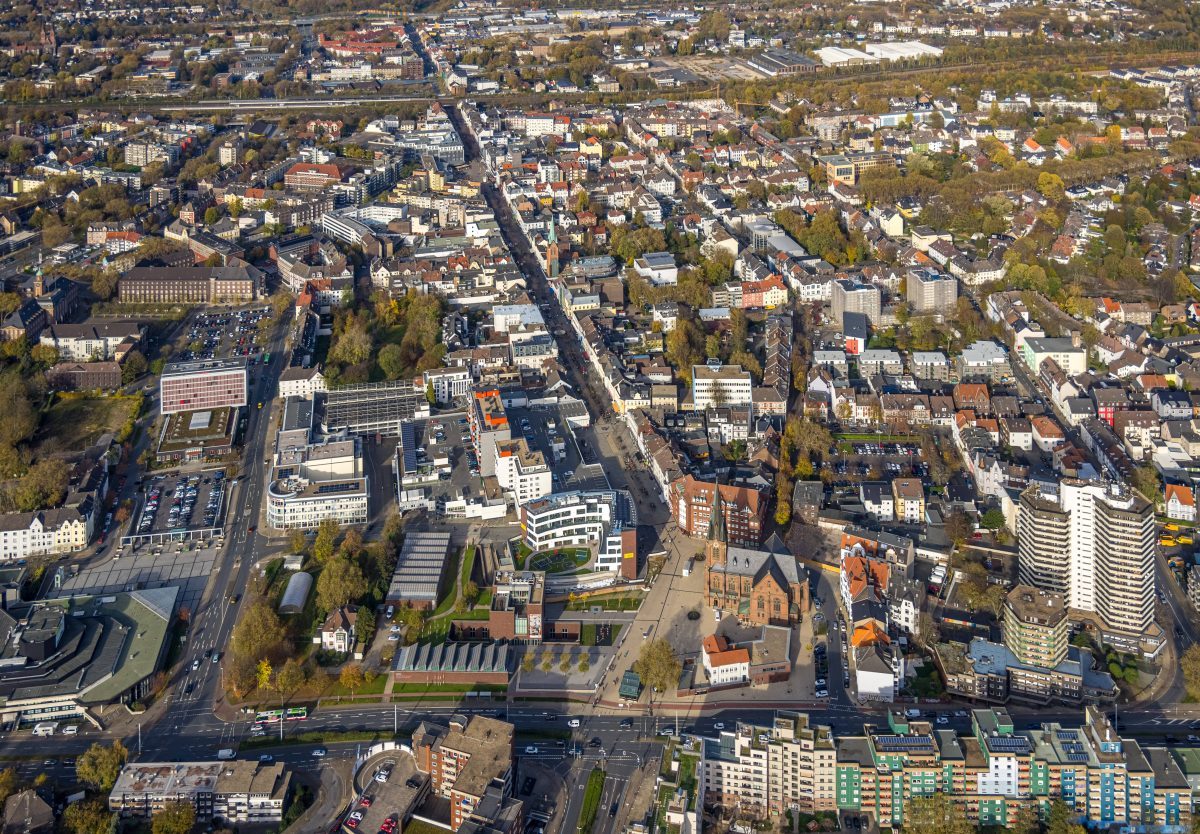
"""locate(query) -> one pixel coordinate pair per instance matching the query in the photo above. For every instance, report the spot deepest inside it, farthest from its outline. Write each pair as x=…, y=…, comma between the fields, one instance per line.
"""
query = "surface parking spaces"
x=186, y=564
x=224, y=335
x=179, y=503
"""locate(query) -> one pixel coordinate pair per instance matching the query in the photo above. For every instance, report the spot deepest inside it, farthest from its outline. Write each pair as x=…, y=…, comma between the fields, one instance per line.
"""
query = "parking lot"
x=448, y=437
x=855, y=461
x=182, y=502
x=390, y=787
x=184, y=564
x=224, y=335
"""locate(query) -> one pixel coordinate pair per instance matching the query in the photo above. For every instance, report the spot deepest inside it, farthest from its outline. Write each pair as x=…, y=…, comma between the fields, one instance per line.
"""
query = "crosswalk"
x=1191, y=723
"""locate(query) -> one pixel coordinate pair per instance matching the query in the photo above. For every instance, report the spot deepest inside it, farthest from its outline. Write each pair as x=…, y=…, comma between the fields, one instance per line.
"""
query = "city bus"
x=296, y=713
x=269, y=716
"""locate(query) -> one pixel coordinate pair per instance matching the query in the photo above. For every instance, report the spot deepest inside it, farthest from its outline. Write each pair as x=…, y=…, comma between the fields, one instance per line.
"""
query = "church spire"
x=553, y=254
x=716, y=516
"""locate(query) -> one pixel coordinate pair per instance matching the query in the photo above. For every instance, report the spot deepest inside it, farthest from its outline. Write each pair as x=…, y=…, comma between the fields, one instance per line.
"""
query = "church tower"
x=552, y=251
x=716, y=548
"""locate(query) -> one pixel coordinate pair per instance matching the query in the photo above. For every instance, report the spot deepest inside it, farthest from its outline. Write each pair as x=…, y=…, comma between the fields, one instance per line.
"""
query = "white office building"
x=448, y=383
x=522, y=472
x=314, y=480
x=720, y=385
x=604, y=521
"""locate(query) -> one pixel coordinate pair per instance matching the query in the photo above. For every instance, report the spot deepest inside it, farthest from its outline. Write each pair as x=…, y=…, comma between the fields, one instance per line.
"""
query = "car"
x=208, y=653
x=612, y=809
x=413, y=782
x=388, y=826
x=319, y=752
x=595, y=742
x=822, y=693
x=941, y=719
x=365, y=802
x=266, y=758
x=187, y=690
x=531, y=750
x=819, y=683
x=626, y=723
x=693, y=615
x=1193, y=739
x=574, y=722
x=356, y=815
x=718, y=725
x=1171, y=740
x=393, y=637
x=960, y=713
x=195, y=664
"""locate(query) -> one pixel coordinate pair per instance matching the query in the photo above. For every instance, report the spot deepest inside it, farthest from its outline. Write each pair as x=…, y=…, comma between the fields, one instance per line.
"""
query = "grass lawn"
x=375, y=687
x=435, y=631
x=466, y=566
x=447, y=602
x=591, y=801
x=587, y=635
x=77, y=422
x=417, y=826
x=559, y=561
x=613, y=602
x=687, y=775
x=454, y=688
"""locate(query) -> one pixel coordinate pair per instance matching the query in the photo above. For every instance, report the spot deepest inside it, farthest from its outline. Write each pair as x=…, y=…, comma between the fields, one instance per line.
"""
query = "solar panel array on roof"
x=1008, y=744
x=408, y=446
x=901, y=744
x=346, y=486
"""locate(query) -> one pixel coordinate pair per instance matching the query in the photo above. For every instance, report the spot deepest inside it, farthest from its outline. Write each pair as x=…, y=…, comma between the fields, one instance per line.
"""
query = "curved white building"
x=605, y=522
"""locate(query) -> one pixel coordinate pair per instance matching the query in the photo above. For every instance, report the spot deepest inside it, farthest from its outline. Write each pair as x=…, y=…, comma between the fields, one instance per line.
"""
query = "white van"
x=71, y=729
x=227, y=753
x=45, y=728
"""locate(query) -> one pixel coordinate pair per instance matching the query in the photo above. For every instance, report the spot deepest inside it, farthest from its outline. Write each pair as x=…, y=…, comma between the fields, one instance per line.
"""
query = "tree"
x=1145, y=481
x=936, y=812
x=90, y=816
x=327, y=534
x=391, y=361
x=471, y=592
x=993, y=519
x=44, y=355
x=43, y=486
x=174, y=818
x=351, y=677
x=211, y=215
x=258, y=633
x=20, y=418
x=658, y=666
x=1190, y=664
x=8, y=784
x=100, y=765
x=297, y=541
x=134, y=366
x=262, y=674
x=290, y=677
x=959, y=527
x=341, y=581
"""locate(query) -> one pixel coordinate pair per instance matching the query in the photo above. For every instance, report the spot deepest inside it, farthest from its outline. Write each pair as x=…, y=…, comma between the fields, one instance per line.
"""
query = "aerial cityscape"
x=461, y=417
